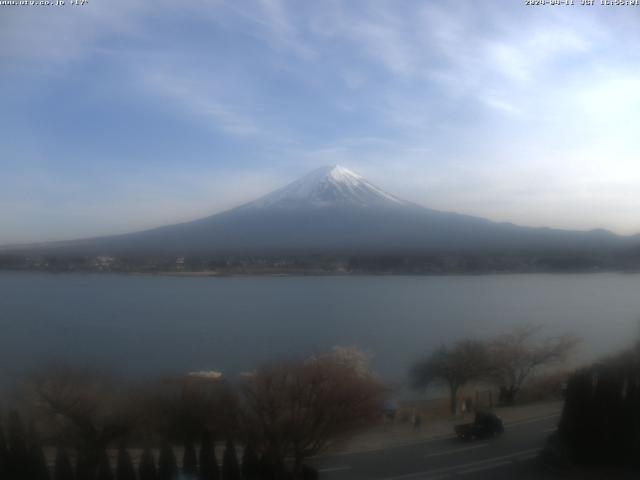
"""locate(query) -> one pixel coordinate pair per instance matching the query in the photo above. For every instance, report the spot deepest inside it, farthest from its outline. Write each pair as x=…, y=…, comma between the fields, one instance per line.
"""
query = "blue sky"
x=120, y=115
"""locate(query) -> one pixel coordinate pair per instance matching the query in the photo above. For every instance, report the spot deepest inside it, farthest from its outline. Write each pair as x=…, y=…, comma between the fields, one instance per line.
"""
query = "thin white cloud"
x=42, y=38
x=497, y=103
x=269, y=20
x=202, y=99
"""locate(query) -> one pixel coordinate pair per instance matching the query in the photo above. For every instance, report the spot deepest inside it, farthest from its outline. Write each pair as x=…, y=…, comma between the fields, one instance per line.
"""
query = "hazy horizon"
x=256, y=200
x=126, y=116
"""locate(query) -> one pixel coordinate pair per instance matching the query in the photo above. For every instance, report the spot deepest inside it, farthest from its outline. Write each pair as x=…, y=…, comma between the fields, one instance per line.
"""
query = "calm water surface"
x=156, y=325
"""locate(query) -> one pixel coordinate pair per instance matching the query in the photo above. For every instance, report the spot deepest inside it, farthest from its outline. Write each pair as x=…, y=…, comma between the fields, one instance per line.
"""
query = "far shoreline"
x=214, y=274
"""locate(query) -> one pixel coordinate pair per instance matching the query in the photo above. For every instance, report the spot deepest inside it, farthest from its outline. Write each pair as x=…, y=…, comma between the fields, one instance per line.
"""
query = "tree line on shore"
x=434, y=263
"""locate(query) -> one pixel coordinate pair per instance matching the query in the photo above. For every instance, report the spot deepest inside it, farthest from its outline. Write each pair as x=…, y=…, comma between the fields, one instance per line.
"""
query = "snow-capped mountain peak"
x=325, y=187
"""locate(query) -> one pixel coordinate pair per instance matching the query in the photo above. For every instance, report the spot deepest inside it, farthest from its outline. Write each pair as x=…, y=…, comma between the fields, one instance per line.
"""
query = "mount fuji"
x=333, y=210
x=328, y=187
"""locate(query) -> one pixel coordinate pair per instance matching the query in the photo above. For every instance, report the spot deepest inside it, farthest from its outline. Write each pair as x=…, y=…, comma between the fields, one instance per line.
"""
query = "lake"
x=152, y=325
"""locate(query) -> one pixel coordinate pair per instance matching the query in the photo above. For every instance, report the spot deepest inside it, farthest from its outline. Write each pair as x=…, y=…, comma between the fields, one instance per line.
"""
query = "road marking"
x=532, y=420
x=463, y=468
x=528, y=456
x=500, y=462
x=481, y=468
x=333, y=469
x=456, y=450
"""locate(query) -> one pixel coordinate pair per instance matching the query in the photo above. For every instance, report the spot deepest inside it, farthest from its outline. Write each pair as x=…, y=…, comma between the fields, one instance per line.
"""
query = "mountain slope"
x=333, y=210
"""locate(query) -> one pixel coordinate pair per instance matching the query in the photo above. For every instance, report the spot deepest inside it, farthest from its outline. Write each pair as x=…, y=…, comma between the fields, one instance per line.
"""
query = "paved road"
x=509, y=456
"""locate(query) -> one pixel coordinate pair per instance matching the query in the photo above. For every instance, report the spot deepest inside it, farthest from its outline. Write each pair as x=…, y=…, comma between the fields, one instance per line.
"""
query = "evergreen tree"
x=189, y=460
x=3, y=454
x=147, y=467
x=38, y=469
x=104, y=467
x=62, y=469
x=309, y=473
x=230, y=467
x=167, y=464
x=209, y=469
x=270, y=468
x=250, y=464
x=86, y=464
x=17, y=451
x=600, y=425
x=124, y=469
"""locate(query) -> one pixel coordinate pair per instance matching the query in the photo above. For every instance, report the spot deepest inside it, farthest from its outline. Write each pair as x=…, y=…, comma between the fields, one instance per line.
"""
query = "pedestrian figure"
x=417, y=421
x=390, y=410
x=468, y=404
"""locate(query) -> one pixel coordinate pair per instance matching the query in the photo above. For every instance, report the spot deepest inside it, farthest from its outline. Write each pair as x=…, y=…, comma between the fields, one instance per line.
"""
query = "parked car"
x=485, y=425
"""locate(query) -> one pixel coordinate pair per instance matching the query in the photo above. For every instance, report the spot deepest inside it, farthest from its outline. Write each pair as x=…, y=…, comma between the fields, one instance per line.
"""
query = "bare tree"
x=83, y=407
x=297, y=409
x=515, y=356
x=453, y=366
